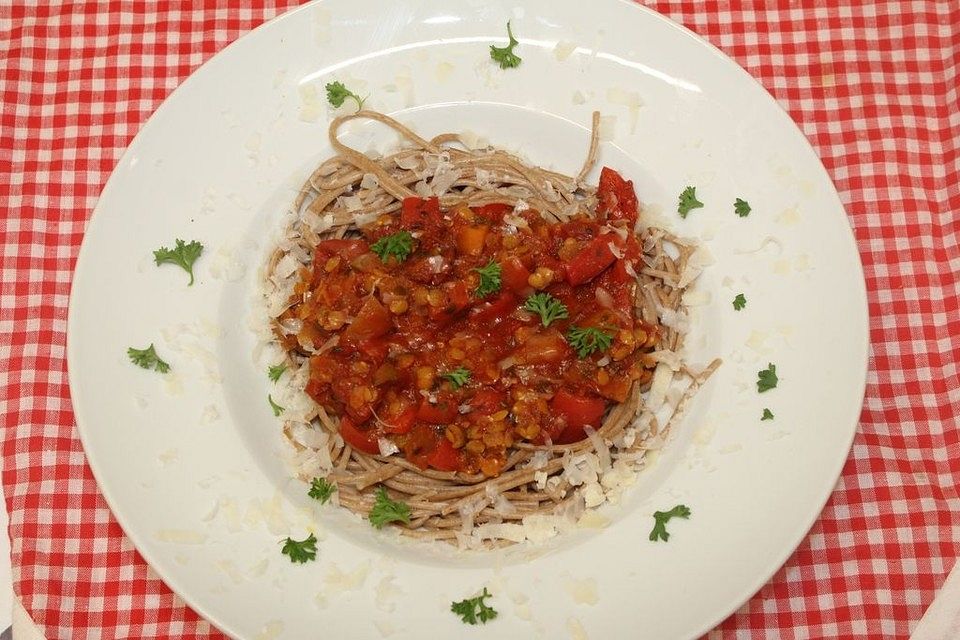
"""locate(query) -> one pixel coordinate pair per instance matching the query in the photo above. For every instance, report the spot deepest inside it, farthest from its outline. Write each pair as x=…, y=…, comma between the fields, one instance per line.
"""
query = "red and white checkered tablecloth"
x=874, y=85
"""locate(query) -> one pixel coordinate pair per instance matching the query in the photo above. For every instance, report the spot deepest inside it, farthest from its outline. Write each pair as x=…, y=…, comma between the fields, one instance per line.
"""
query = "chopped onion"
x=604, y=299
x=604, y=361
x=615, y=250
x=464, y=408
x=436, y=264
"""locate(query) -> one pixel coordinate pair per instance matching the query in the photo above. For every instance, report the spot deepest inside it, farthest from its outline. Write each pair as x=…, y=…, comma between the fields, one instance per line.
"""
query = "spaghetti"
x=492, y=495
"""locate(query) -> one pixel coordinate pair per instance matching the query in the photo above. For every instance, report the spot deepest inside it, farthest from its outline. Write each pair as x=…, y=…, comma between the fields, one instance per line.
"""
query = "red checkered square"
x=872, y=84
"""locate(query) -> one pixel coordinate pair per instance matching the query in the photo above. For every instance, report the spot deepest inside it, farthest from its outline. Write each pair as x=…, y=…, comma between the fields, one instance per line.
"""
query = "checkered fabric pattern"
x=874, y=86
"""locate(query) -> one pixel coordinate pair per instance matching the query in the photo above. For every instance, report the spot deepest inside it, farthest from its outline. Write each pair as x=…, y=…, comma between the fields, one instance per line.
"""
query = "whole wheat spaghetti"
x=536, y=457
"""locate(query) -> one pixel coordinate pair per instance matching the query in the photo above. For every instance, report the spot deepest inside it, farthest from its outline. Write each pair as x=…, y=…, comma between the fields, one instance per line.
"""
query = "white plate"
x=188, y=461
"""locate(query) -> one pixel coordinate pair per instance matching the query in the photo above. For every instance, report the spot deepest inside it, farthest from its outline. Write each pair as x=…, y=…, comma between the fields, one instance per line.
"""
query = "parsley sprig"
x=458, y=377
x=661, y=518
x=490, y=281
x=505, y=55
x=767, y=378
x=399, y=245
x=767, y=414
x=386, y=510
x=739, y=302
x=548, y=307
x=587, y=340
x=741, y=208
x=321, y=489
x=471, y=610
x=183, y=255
x=299, y=551
x=276, y=371
x=147, y=359
x=277, y=409
x=337, y=93
x=688, y=201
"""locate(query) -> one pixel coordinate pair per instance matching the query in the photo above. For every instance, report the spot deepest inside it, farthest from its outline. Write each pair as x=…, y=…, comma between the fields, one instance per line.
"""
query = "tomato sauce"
x=437, y=347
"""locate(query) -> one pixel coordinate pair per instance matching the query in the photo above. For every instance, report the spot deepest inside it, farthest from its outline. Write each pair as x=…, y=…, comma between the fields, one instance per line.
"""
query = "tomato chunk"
x=578, y=411
x=592, y=260
x=444, y=457
x=514, y=276
x=419, y=212
x=365, y=440
x=444, y=411
x=490, y=312
x=372, y=321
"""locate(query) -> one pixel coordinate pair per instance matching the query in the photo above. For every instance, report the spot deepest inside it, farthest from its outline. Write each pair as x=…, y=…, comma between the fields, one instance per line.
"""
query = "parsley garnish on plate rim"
x=337, y=93
x=739, y=302
x=183, y=255
x=741, y=208
x=471, y=610
x=299, y=551
x=661, y=518
x=767, y=414
x=147, y=359
x=767, y=378
x=688, y=201
x=505, y=56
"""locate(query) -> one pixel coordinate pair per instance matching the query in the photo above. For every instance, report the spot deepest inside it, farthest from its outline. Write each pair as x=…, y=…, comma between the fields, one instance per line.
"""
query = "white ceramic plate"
x=189, y=461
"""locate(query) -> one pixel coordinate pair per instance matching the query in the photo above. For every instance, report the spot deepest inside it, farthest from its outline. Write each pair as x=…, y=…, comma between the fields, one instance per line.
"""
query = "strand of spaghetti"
x=594, y=146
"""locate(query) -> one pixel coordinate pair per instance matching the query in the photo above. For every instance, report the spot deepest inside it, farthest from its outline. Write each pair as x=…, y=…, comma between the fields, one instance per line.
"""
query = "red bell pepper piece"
x=616, y=198
x=361, y=440
x=592, y=260
x=417, y=212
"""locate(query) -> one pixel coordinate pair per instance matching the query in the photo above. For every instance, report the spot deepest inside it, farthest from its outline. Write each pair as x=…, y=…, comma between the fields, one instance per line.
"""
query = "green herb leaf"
x=337, y=93
x=548, y=307
x=688, y=201
x=147, y=359
x=739, y=302
x=399, y=245
x=300, y=551
x=183, y=255
x=661, y=518
x=458, y=377
x=277, y=409
x=276, y=371
x=473, y=609
x=741, y=208
x=505, y=55
x=587, y=340
x=489, y=279
x=386, y=510
x=767, y=414
x=321, y=489
x=767, y=378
